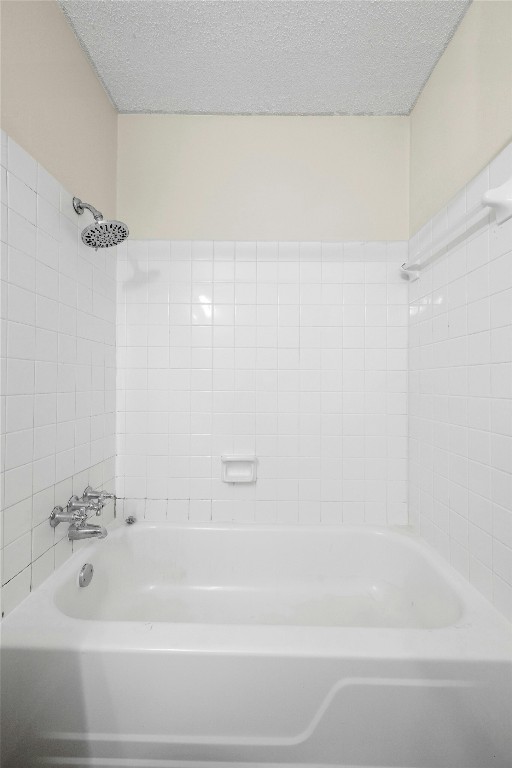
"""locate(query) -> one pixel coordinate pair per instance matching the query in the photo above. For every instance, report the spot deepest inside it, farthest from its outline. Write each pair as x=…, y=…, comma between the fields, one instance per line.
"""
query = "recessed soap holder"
x=239, y=469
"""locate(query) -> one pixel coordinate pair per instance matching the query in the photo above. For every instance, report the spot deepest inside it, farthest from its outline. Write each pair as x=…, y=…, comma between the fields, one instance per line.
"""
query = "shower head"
x=101, y=234
x=104, y=234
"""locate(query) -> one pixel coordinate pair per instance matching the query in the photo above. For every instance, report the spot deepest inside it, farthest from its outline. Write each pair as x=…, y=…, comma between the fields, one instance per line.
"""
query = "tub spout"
x=78, y=531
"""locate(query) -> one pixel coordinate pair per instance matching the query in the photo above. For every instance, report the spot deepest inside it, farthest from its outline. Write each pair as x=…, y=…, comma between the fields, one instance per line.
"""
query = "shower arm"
x=79, y=207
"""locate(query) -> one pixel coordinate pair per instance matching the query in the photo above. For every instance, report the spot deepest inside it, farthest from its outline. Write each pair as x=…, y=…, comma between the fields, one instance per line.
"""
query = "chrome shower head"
x=104, y=234
x=101, y=234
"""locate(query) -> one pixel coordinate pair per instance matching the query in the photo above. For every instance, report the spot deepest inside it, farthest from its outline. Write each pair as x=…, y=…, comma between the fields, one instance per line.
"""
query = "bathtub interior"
x=244, y=576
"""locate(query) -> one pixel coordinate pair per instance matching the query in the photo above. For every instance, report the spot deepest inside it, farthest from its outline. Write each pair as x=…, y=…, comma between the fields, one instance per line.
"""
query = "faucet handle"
x=79, y=517
x=76, y=516
x=101, y=497
x=82, y=508
x=95, y=506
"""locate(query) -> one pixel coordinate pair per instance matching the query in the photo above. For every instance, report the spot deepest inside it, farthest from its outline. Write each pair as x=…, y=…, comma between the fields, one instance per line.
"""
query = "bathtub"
x=255, y=646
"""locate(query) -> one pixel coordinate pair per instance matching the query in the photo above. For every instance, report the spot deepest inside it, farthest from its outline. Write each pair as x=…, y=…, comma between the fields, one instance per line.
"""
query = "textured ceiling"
x=306, y=57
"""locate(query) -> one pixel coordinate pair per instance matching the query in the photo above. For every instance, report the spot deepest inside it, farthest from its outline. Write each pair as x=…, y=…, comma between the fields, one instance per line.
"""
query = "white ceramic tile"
x=43, y=539
x=502, y=561
x=21, y=269
x=21, y=305
x=19, y=448
x=17, y=521
x=21, y=164
x=48, y=218
x=16, y=590
x=19, y=412
x=43, y=345
x=16, y=557
x=62, y=551
x=214, y=388
x=447, y=365
x=42, y=504
x=21, y=198
x=21, y=234
x=502, y=596
x=42, y=568
x=48, y=187
x=47, y=281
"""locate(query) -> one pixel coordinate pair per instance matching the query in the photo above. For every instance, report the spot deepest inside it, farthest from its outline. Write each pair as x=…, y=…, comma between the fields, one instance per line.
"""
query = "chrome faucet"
x=85, y=530
x=77, y=512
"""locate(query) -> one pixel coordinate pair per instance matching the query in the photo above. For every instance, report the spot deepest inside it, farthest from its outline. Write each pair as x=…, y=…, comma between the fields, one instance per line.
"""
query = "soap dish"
x=238, y=469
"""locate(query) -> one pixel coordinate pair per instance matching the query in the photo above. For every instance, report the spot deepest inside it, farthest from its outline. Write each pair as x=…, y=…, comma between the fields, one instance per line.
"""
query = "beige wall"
x=267, y=178
x=297, y=178
x=463, y=117
x=325, y=177
x=53, y=104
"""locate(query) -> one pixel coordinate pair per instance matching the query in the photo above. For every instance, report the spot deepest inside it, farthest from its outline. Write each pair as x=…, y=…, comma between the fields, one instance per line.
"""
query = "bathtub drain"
x=85, y=575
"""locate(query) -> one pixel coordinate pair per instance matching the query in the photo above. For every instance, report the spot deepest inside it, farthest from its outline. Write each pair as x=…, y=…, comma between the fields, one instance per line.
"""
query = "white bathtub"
x=257, y=646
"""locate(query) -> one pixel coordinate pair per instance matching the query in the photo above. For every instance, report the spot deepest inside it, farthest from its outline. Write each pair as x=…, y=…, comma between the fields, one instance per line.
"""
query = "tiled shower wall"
x=294, y=352
x=460, y=400
x=58, y=369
